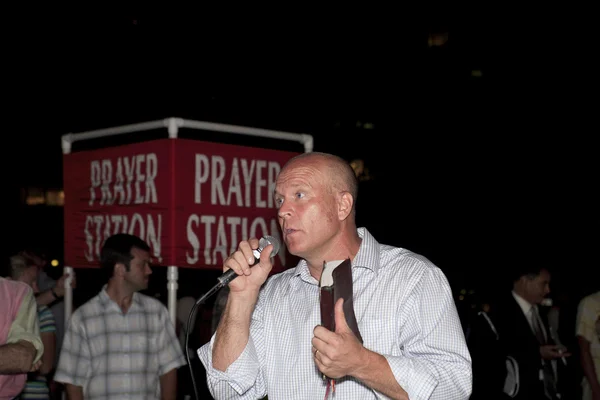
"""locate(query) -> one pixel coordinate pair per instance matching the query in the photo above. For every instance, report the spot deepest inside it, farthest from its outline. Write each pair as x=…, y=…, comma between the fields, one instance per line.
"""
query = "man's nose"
x=284, y=211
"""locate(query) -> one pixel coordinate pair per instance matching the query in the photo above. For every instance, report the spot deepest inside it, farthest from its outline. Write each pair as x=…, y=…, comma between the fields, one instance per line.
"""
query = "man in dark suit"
x=522, y=332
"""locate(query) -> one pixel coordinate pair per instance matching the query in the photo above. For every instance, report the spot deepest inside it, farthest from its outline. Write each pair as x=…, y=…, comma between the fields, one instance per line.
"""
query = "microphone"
x=264, y=241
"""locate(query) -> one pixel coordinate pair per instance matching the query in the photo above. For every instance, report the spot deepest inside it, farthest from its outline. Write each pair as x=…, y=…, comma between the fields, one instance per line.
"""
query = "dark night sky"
x=467, y=170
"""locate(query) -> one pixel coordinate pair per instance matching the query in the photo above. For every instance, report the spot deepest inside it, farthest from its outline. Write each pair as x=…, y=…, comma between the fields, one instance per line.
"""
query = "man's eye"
x=299, y=195
x=278, y=202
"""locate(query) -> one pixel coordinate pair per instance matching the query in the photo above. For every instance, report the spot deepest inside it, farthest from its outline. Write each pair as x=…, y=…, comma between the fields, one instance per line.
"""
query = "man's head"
x=25, y=270
x=36, y=255
x=316, y=198
x=126, y=260
x=532, y=284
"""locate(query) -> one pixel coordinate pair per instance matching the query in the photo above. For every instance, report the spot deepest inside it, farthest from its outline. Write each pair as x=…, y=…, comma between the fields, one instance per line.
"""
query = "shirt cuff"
x=241, y=374
x=34, y=340
x=71, y=380
x=416, y=380
x=176, y=363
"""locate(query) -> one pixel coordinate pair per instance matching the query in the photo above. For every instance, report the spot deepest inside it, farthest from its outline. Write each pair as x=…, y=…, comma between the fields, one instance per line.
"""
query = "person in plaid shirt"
x=121, y=343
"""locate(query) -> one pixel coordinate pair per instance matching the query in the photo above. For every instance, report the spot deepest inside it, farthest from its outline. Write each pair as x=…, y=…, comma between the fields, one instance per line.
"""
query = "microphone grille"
x=267, y=240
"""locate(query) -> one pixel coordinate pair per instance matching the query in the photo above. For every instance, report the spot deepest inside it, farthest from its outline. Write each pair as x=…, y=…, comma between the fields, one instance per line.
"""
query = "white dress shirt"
x=405, y=311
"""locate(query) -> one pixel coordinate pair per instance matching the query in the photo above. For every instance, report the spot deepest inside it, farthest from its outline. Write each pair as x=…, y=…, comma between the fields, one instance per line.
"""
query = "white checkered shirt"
x=119, y=356
x=405, y=311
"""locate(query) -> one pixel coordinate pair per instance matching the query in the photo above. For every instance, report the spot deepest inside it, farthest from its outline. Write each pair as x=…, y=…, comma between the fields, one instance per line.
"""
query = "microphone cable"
x=201, y=300
x=223, y=280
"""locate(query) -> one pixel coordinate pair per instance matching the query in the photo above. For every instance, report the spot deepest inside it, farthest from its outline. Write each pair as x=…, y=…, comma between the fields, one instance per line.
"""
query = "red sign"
x=191, y=201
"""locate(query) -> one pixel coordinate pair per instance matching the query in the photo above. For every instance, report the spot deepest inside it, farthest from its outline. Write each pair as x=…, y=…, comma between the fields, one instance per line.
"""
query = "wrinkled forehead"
x=309, y=162
x=301, y=173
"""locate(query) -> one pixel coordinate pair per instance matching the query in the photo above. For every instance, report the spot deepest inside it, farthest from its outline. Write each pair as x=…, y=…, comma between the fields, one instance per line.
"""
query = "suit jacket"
x=520, y=342
x=488, y=361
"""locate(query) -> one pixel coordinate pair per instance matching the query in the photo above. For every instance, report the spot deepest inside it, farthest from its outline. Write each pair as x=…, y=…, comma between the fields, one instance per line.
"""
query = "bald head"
x=315, y=195
x=339, y=172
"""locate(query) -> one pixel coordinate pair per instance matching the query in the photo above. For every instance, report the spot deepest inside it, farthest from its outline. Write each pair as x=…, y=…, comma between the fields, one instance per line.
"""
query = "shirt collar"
x=369, y=252
x=524, y=304
x=106, y=301
x=367, y=257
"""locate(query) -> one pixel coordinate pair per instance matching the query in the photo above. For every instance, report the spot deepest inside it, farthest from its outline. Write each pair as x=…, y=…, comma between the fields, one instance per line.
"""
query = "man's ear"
x=345, y=203
x=119, y=269
x=520, y=283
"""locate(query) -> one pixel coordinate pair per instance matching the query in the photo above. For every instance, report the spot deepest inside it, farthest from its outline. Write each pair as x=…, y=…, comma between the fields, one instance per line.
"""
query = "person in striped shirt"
x=24, y=270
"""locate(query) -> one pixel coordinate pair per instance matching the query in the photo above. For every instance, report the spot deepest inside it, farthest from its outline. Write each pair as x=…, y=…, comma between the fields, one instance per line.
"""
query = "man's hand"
x=17, y=358
x=60, y=284
x=250, y=277
x=36, y=366
x=552, y=352
x=338, y=353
